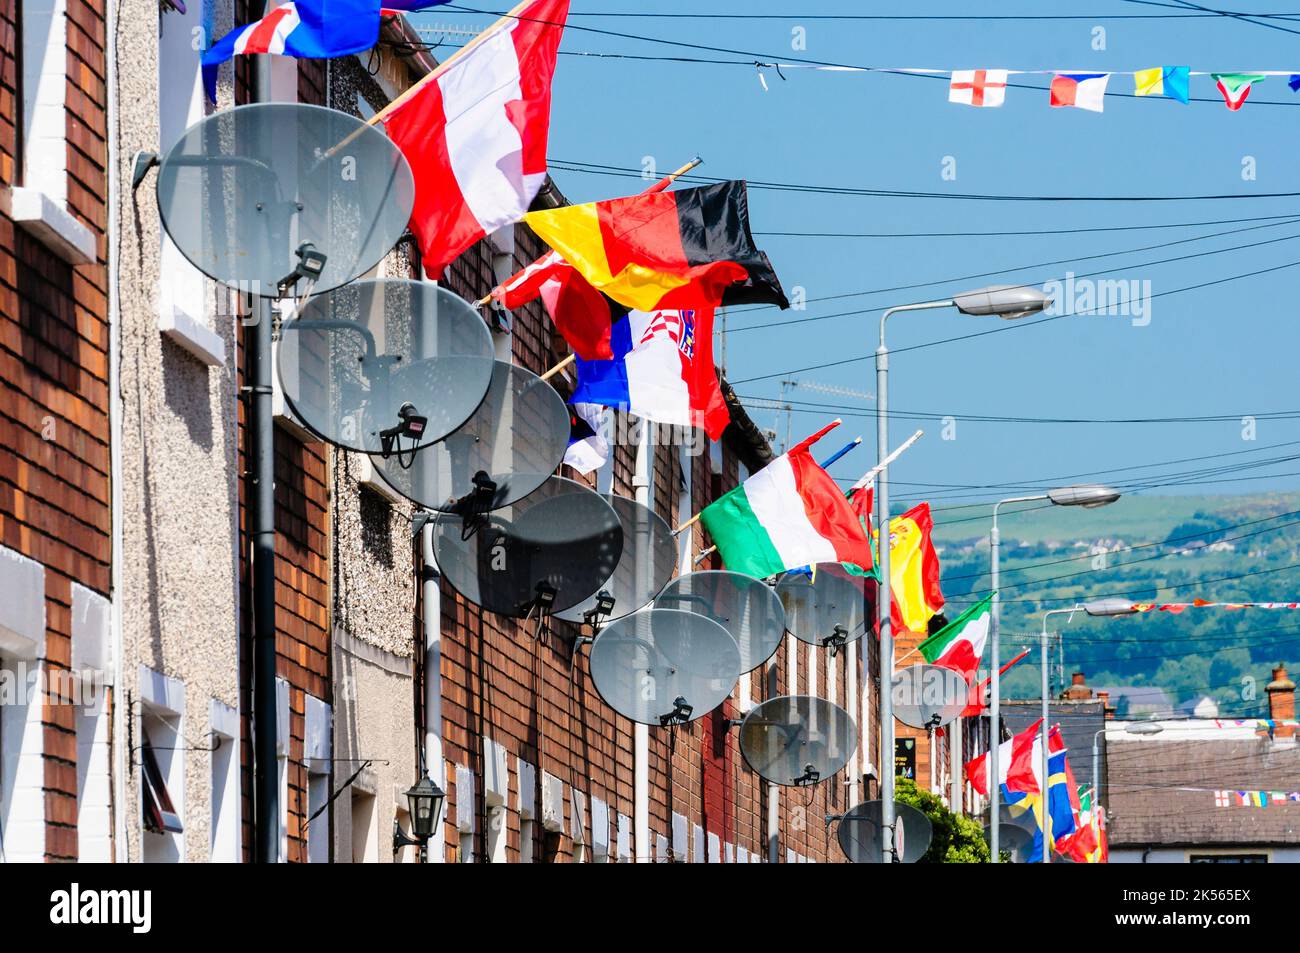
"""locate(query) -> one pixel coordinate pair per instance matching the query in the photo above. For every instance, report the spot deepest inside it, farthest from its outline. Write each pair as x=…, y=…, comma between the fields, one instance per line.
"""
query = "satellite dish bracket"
x=809, y=777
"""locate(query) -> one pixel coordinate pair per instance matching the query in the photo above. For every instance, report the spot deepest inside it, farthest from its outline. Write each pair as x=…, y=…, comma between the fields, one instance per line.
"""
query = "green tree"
x=954, y=838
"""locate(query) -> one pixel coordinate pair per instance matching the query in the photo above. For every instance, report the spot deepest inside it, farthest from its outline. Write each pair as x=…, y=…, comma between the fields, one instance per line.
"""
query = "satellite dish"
x=252, y=194
x=548, y=551
x=829, y=607
x=647, y=563
x=385, y=366
x=859, y=833
x=928, y=696
x=797, y=739
x=743, y=605
x=664, y=666
x=1015, y=840
x=508, y=448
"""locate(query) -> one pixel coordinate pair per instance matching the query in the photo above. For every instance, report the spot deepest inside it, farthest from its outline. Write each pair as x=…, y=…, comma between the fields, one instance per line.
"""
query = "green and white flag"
x=959, y=645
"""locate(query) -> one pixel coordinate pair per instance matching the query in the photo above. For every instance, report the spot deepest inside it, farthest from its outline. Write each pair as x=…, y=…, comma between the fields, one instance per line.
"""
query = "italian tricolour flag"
x=789, y=514
x=959, y=645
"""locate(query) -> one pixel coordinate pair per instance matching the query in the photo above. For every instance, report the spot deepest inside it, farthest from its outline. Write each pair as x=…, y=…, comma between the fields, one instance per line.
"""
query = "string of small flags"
x=1176, y=607
x=987, y=88
x=1254, y=798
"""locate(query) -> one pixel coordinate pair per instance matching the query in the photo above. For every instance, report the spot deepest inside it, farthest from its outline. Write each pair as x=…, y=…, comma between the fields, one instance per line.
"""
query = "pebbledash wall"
x=55, y=490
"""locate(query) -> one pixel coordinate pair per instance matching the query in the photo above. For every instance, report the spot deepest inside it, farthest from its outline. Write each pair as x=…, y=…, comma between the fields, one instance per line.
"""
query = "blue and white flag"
x=588, y=445
x=309, y=29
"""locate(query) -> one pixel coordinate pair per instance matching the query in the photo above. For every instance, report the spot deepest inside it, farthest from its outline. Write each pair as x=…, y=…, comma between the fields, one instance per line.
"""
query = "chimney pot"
x=1281, y=701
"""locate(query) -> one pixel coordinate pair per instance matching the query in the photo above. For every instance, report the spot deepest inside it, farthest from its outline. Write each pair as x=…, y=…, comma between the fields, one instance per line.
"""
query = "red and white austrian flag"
x=475, y=132
x=978, y=87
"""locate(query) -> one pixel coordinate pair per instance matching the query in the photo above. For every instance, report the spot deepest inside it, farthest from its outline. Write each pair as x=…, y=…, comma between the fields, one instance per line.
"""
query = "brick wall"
x=54, y=386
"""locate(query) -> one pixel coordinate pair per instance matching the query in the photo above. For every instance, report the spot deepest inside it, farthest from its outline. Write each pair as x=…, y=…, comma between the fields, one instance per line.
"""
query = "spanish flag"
x=913, y=570
x=640, y=248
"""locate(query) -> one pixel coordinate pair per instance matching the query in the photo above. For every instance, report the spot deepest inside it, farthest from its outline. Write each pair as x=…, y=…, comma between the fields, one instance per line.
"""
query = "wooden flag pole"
x=866, y=480
x=559, y=367
x=695, y=519
x=658, y=186
x=433, y=75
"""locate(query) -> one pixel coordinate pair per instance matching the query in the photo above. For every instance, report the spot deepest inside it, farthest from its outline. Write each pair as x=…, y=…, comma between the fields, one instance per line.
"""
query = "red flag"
x=475, y=132
x=976, y=704
x=1015, y=764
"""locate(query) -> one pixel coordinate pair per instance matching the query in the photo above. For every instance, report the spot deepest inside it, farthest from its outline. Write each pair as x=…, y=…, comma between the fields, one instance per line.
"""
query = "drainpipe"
x=641, y=484
x=435, y=764
x=119, y=712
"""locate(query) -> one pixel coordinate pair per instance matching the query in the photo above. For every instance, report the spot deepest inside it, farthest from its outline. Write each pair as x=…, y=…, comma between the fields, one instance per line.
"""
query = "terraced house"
x=125, y=534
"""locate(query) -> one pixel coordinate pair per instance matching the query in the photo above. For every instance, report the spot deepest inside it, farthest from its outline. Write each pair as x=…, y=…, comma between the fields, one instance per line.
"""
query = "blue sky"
x=1228, y=349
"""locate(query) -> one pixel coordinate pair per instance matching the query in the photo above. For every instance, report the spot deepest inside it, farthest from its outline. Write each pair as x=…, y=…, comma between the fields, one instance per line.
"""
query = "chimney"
x=1281, y=701
x=1078, y=690
x=1106, y=706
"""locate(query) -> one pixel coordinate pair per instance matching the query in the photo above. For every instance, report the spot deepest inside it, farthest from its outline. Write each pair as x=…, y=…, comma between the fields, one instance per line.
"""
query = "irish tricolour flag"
x=959, y=645
x=786, y=515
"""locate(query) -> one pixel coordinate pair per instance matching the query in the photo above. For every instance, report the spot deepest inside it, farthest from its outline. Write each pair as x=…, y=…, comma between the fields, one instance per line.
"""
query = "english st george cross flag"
x=308, y=29
x=475, y=132
x=978, y=87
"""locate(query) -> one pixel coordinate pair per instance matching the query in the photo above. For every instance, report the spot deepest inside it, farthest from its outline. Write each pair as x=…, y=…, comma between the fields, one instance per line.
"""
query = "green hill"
x=1147, y=548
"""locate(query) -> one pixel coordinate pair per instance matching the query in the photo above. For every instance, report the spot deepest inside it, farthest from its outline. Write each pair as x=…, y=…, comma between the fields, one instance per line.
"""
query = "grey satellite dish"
x=1015, y=840
x=797, y=739
x=829, y=607
x=746, y=607
x=508, y=448
x=928, y=696
x=647, y=563
x=252, y=194
x=664, y=666
x=385, y=366
x=859, y=834
x=546, y=552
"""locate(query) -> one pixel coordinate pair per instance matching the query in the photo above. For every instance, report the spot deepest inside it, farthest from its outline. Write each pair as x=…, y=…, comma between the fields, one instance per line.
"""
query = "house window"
x=225, y=843
x=160, y=756
x=1228, y=859
x=365, y=834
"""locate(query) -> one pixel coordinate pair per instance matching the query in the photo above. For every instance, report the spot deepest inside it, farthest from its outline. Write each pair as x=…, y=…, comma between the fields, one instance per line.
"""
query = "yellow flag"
x=1150, y=82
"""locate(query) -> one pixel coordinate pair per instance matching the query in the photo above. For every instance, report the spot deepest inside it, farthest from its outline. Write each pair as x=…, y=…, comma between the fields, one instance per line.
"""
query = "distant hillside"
x=1054, y=556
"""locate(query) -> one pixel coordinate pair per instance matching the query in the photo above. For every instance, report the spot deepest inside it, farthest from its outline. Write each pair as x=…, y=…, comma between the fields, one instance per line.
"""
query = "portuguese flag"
x=639, y=248
x=959, y=645
x=789, y=514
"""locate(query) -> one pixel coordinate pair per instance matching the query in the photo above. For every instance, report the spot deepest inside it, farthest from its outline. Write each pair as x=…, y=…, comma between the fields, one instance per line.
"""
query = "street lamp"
x=1089, y=496
x=1004, y=301
x=1100, y=608
x=424, y=801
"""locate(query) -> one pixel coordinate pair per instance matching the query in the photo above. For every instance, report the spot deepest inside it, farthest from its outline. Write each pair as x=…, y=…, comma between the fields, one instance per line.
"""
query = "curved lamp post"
x=1003, y=301
x=1089, y=496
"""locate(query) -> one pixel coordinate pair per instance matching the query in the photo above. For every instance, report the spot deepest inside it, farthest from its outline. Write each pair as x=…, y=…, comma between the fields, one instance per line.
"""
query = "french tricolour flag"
x=662, y=370
x=309, y=29
x=1080, y=90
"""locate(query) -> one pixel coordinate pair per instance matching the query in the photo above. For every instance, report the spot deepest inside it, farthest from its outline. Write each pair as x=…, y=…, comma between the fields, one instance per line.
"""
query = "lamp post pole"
x=882, y=599
x=1044, y=731
x=1003, y=301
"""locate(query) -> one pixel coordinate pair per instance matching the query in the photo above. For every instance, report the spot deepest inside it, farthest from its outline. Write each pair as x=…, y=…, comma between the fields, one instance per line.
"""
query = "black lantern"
x=425, y=801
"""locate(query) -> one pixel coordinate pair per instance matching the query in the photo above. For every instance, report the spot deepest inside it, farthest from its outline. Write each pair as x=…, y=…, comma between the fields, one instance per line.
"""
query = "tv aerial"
x=646, y=564
x=746, y=607
x=829, y=607
x=928, y=696
x=797, y=740
x=664, y=666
